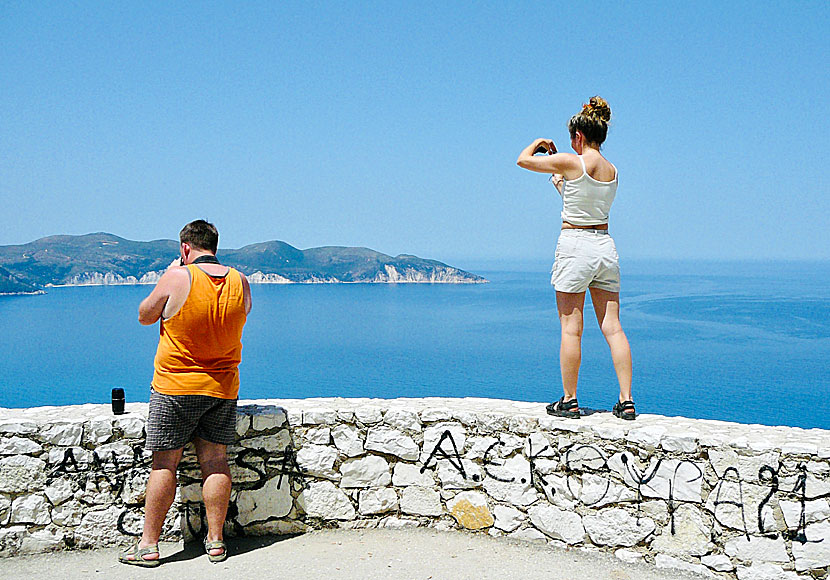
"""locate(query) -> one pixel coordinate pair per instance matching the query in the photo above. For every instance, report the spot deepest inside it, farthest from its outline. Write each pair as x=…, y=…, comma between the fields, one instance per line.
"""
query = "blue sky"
x=396, y=126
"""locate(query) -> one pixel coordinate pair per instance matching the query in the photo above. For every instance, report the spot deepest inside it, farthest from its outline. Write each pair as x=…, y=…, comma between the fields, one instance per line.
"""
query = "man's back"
x=200, y=344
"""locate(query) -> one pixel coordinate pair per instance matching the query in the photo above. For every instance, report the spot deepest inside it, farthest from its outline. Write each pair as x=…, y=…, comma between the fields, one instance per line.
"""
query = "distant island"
x=106, y=259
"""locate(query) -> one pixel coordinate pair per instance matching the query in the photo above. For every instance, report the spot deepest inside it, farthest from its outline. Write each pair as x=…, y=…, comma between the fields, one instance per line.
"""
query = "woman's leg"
x=607, y=308
x=570, y=307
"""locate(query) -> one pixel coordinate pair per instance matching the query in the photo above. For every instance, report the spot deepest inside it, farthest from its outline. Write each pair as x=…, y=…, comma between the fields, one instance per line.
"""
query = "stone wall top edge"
x=709, y=432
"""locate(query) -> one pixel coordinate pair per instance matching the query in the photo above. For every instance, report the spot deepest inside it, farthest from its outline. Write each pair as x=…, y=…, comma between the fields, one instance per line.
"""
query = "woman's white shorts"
x=585, y=259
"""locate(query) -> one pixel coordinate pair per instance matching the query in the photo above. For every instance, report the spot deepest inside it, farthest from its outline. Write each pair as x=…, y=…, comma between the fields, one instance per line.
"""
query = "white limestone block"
x=64, y=455
x=30, y=509
x=479, y=446
x=18, y=446
x=815, y=553
x=757, y=549
x=377, y=501
x=600, y=490
x=369, y=471
x=11, y=427
x=558, y=524
x=276, y=442
x=718, y=562
x=649, y=436
x=99, y=528
x=452, y=478
x=692, y=535
x=21, y=473
x=629, y=556
x=391, y=441
x=748, y=467
x=60, y=490
x=268, y=417
x=508, y=518
x=683, y=479
x=114, y=454
x=794, y=447
x=319, y=417
x=395, y=523
x=528, y=535
x=368, y=415
x=243, y=423
x=48, y=539
x=420, y=501
x=672, y=563
x=5, y=508
x=347, y=439
x=814, y=511
x=434, y=433
x=523, y=424
x=98, y=430
x=403, y=420
x=492, y=422
x=63, y=434
x=406, y=474
x=318, y=460
x=270, y=501
x=135, y=486
x=345, y=415
x=68, y=514
x=468, y=418
x=766, y=572
x=435, y=414
x=513, y=485
x=322, y=499
x=610, y=432
x=682, y=442
x=132, y=426
x=318, y=435
x=735, y=506
x=617, y=527
x=294, y=416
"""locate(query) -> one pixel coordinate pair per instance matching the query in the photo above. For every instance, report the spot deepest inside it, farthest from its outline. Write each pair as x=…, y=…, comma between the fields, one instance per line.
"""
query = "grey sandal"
x=135, y=556
x=216, y=545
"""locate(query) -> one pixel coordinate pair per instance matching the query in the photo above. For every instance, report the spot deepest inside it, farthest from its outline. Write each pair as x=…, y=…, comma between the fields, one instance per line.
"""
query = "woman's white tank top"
x=586, y=201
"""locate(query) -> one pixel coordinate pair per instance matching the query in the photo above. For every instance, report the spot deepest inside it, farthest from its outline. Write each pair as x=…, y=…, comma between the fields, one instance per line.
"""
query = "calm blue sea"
x=746, y=342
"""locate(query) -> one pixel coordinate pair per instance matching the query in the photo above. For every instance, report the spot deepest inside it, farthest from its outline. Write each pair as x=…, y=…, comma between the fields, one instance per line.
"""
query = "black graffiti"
x=739, y=504
x=769, y=476
x=100, y=470
x=486, y=461
x=570, y=470
x=289, y=467
x=453, y=456
x=537, y=479
x=122, y=528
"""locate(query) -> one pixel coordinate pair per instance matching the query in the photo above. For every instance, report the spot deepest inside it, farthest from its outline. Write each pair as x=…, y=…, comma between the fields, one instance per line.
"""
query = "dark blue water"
x=743, y=342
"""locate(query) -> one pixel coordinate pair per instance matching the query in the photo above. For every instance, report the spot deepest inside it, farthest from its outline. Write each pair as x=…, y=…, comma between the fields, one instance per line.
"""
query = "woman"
x=586, y=257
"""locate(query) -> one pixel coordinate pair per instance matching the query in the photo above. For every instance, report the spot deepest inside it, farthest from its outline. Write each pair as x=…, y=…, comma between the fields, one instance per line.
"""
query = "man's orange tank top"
x=200, y=346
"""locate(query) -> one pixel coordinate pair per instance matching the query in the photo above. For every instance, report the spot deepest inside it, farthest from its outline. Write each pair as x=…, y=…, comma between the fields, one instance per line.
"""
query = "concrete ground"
x=415, y=554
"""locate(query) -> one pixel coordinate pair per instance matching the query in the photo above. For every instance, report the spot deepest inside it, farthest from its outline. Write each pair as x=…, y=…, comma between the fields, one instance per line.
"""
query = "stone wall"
x=722, y=499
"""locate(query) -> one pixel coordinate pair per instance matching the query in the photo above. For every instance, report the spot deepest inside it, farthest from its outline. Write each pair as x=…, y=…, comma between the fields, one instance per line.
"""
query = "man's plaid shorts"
x=174, y=420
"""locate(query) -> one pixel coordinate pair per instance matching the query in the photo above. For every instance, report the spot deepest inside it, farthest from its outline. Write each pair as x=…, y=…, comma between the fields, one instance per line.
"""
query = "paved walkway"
x=412, y=554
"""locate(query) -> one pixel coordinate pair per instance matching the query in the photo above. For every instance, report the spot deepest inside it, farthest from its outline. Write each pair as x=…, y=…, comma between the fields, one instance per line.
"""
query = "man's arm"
x=174, y=281
x=246, y=293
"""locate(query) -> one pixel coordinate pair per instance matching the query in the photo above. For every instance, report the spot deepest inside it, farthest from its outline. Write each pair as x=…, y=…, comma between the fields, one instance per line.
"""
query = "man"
x=202, y=306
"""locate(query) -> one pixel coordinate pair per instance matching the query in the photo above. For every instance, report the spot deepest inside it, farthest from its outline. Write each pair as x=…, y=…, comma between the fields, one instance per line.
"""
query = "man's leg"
x=161, y=491
x=216, y=486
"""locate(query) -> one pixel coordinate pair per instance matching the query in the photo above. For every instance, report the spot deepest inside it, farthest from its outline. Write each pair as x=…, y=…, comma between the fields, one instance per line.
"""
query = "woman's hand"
x=546, y=144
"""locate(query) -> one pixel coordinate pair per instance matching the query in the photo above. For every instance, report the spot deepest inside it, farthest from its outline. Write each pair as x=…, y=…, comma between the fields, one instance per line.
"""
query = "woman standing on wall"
x=586, y=257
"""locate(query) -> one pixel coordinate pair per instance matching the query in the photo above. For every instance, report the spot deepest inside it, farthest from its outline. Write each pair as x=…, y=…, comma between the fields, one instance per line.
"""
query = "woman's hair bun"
x=597, y=108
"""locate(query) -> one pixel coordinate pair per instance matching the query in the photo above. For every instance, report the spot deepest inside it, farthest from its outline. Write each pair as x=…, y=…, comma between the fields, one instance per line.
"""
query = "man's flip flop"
x=216, y=545
x=135, y=556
